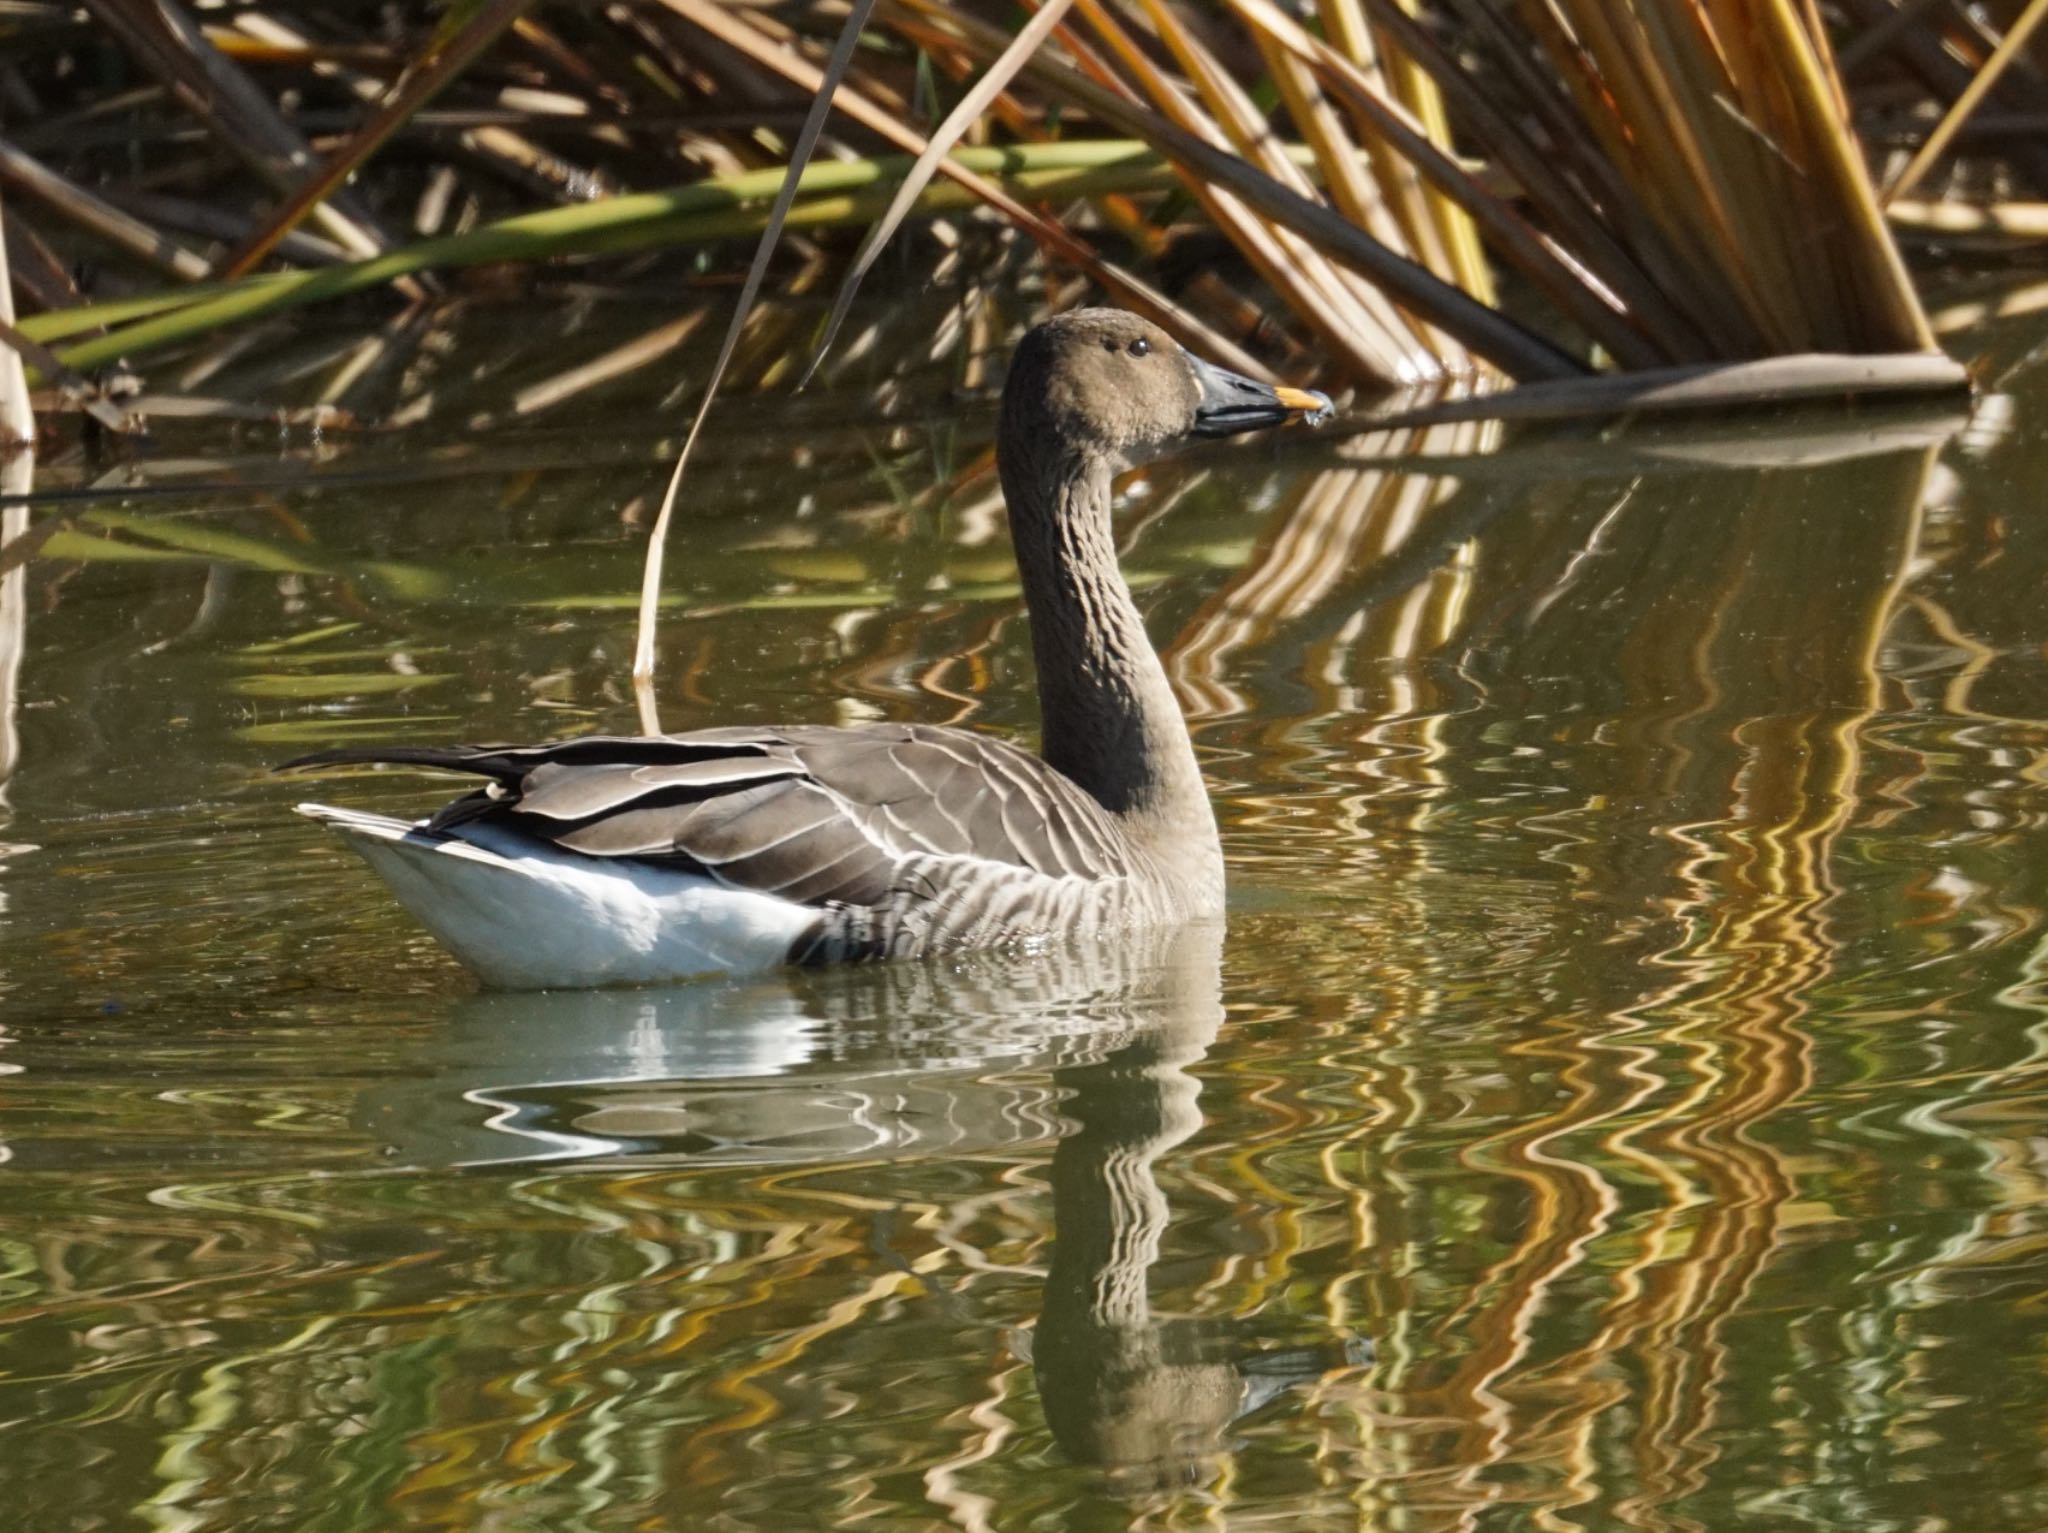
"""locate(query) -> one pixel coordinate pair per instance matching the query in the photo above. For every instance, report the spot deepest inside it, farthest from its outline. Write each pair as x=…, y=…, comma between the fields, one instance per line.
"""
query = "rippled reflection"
x=1616, y=1101
x=1089, y=1047
x=891, y=1061
x=1122, y=1385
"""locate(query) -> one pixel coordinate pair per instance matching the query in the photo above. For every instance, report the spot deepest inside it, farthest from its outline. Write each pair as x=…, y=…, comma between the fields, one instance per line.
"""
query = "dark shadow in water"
x=901, y=1061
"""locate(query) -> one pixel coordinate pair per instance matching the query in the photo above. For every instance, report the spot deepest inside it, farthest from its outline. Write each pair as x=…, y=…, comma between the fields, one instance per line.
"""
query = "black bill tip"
x=1232, y=403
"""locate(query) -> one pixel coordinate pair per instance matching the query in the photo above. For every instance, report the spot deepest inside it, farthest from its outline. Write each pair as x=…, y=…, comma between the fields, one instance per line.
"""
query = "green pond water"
x=1618, y=1100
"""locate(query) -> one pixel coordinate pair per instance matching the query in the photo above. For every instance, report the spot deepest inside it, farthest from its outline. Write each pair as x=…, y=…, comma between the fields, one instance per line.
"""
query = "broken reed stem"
x=17, y=470
x=17, y=419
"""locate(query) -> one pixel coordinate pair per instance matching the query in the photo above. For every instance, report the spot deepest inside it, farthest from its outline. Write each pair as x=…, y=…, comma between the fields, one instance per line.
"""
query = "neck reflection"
x=1150, y=1396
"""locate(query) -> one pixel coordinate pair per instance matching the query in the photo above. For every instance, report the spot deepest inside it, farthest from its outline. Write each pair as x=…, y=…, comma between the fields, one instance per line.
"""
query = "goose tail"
x=524, y=915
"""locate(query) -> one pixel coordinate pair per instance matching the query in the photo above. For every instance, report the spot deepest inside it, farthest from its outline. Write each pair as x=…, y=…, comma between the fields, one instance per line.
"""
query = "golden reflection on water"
x=1750, y=850
x=1615, y=1104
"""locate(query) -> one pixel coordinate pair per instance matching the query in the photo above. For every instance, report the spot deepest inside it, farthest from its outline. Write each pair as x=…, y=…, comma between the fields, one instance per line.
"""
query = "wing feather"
x=582, y=793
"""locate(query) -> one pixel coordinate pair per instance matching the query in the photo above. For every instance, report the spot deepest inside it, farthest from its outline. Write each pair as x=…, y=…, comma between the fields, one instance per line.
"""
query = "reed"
x=1653, y=185
x=837, y=195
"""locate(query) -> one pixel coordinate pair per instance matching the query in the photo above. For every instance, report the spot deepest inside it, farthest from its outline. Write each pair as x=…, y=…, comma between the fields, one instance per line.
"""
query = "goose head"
x=1107, y=386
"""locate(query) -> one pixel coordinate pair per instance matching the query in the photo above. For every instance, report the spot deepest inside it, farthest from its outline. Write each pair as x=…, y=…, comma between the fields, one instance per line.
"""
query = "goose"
x=622, y=860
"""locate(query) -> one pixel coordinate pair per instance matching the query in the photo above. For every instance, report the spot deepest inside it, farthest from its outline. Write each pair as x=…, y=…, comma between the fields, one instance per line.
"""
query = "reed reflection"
x=1731, y=766
x=1635, y=1028
x=1658, y=706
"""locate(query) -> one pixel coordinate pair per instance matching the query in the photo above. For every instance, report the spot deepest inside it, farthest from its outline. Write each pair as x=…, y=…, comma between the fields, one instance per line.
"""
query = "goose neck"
x=1110, y=719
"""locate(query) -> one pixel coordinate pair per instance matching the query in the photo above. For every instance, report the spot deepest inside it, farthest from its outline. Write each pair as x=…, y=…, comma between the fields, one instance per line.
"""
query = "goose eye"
x=1141, y=347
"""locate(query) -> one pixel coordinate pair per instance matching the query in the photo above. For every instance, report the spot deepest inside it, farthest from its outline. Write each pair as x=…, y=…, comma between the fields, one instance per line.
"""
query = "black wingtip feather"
x=509, y=763
x=479, y=760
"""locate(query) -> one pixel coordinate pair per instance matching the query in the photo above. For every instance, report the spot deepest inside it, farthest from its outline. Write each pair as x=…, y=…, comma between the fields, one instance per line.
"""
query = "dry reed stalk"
x=97, y=217
x=1485, y=331
x=836, y=194
x=78, y=391
x=1722, y=125
x=1693, y=191
x=1303, y=278
x=824, y=93
x=791, y=64
x=964, y=115
x=1926, y=41
x=2008, y=49
x=1208, y=290
x=2000, y=220
x=17, y=419
x=1768, y=382
x=1347, y=168
x=445, y=59
x=483, y=134
x=39, y=272
x=1428, y=224
x=232, y=107
x=1400, y=343
x=1398, y=137
x=642, y=351
x=1685, y=187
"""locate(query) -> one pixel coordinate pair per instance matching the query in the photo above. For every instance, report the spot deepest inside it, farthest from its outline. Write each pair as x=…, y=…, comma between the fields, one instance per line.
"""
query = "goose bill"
x=1232, y=403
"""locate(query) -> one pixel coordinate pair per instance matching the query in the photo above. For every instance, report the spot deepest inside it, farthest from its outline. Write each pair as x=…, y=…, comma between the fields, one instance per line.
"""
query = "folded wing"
x=867, y=816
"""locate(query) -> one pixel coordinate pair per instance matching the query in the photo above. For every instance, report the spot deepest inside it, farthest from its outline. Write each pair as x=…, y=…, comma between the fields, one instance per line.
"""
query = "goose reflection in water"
x=1123, y=1387
x=1086, y=1047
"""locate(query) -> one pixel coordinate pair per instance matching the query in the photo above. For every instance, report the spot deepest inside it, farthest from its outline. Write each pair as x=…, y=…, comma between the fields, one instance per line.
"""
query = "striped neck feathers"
x=1111, y=723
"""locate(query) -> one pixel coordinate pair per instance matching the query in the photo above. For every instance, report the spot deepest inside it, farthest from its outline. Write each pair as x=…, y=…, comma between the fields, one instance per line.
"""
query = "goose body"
x=639, y=859
x=732, y=850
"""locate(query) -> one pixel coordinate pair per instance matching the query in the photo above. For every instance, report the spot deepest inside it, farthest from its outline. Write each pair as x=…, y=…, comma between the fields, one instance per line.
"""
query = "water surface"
x=1616, y=1100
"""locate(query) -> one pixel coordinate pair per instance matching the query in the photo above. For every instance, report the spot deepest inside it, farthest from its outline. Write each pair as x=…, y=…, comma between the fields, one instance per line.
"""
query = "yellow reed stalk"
x=1723, y=122
x=1254, y=236
x=2007, y=50
x=1620, y=106
x=1406, y=192
x=1355, y=192
x=1420, y=95
x=1401, y=340
x=2000, y=220
x=1610, y=321
x=1895, y=319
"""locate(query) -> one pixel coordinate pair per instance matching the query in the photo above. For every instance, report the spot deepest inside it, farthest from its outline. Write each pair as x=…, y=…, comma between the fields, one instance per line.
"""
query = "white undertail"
x=525, y=916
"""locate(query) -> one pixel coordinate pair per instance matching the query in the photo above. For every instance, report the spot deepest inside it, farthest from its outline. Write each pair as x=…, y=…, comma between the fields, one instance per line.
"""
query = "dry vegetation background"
x=1411, y=190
